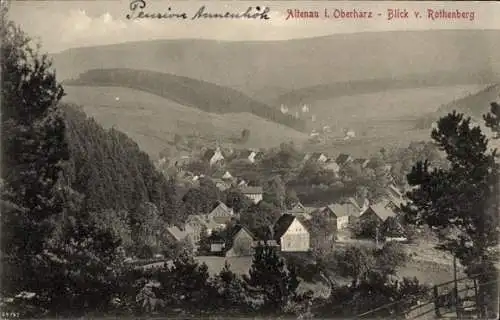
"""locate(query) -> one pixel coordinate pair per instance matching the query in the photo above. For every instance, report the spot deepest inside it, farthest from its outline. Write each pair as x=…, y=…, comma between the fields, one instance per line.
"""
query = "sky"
x=60, y=25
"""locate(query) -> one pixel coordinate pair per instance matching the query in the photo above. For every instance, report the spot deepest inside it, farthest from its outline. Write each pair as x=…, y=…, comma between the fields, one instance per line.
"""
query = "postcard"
x=250, y=159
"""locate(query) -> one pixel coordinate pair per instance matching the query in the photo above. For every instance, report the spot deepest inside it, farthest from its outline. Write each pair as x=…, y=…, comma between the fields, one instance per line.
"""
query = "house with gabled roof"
x=234, y=241
x=379, y=211
x=343, y=159
x=298, y=207
x=221, y=184
x=299, y=210
x=223, y=175
x=196, y=223
x=395, y=197
x=318, y=157
x=221, y=213
x=241, y=182
x=253, y=193
x=213, y=156
x=239, y=242
x=249, y=155
x=345, y=213
x=291, y=234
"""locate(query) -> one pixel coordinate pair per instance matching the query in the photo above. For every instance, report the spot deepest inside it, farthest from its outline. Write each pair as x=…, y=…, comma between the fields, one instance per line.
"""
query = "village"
x=291, y=231
x=181, y=176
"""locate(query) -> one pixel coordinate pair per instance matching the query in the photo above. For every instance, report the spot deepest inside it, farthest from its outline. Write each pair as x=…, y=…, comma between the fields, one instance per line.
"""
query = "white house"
x=249, y=155
x=213, y=156
x=284, y=109
x=349, y=134
x=291, y=234
x=227, y=176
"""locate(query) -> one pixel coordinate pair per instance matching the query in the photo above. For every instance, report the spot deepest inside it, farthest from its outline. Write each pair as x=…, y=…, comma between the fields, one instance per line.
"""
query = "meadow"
x=152, y=121
x=384, y=119
x=429, y=265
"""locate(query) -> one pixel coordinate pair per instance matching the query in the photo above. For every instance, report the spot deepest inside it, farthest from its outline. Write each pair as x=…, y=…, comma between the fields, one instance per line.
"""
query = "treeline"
x=111, y=171
x=354, y=87
x=189, y=92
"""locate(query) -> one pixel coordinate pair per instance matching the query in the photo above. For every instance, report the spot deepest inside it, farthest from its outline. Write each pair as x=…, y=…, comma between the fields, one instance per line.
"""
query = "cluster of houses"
x=291, y=232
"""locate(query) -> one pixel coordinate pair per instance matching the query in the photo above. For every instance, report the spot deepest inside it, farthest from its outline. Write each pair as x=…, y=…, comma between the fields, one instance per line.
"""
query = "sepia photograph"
x=249, y=159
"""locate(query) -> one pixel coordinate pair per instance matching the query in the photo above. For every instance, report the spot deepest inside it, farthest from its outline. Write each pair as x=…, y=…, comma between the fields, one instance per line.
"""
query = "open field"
x=430, y=265
x=401, y=104
x=383, y=119
x=152, y=121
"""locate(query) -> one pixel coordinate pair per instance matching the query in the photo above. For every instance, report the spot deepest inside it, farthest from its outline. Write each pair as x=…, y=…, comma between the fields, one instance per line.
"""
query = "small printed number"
x=10, y=315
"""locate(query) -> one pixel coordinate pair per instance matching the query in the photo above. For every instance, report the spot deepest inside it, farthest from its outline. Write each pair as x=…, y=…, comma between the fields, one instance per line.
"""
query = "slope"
x=111, y=171
x=152, y=121
x=475, y=105
x=189, y=92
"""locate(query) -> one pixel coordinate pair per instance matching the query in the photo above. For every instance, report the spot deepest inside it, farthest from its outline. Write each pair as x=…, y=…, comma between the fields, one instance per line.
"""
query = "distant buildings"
x=317, y=157
x=249, y=155
x=213, y=156
x=349, y=134
x=344, y=213
x=379, y=212
x=221, y=213
x=235, y=241
x=361, y=162
x=284, y=109
x=299, y=210
x=343, y=159
x=253, y=193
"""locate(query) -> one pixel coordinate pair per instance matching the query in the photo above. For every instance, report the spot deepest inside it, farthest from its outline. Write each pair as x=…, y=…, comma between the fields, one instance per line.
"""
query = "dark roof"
x=237, y=228
x=381, y=210
x=342, y=158
x=251, y=190
x=282, y=225
x=209, y=154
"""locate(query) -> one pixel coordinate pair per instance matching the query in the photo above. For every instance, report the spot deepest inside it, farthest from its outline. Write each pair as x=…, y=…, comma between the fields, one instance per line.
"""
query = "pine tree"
x=462, y=199
x=268, y=275
x=231, y=294
x=186, y=282
x=33, y=147
x=492, y=119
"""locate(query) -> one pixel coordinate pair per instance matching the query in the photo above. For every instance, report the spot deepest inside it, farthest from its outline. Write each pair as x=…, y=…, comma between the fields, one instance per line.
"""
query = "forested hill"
x=475, y=105
x=110, y=170
x=186, y=91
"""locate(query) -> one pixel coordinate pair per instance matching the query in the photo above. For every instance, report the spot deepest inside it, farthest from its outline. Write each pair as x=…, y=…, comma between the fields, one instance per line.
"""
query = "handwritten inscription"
x=137, y=12
x=387, y=14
